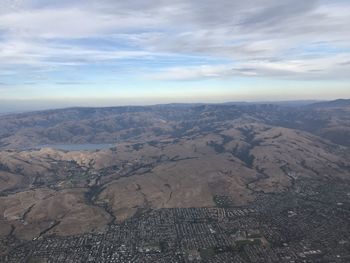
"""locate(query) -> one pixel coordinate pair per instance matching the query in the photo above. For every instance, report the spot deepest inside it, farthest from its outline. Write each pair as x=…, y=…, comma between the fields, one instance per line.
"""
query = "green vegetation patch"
x=207, y=253
x=241, y=243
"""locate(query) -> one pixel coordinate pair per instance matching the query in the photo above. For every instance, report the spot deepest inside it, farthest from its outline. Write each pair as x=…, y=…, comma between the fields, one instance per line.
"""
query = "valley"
x=120, y=164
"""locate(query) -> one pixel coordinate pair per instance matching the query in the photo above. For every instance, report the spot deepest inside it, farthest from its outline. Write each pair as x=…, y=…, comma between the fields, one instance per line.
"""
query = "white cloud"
x=69, y=23
x=39, y=54
x=316, y=68
x=257, y=37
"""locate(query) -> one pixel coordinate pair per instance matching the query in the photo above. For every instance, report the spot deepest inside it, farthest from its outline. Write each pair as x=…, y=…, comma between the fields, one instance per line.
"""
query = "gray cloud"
x=249, y=34
x=280, y=12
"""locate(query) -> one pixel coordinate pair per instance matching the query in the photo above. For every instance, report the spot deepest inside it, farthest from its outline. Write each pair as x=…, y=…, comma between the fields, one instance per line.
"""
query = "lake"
x=79, y=147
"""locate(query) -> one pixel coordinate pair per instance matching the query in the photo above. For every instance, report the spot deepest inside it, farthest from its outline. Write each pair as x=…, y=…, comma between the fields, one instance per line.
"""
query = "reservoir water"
x=79, y=147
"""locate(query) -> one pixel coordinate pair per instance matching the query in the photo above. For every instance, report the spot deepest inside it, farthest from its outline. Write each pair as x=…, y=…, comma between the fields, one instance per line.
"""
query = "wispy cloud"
x=279, y=38
x=314, y=68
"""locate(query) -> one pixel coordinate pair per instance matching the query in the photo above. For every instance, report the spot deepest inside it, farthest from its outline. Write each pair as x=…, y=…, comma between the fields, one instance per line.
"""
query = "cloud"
x=316, y=68
x=40, y=54
x=253, y=38
x=194, y=72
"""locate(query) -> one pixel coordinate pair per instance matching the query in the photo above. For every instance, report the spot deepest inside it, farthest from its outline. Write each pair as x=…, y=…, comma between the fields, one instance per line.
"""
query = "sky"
x=108, y=52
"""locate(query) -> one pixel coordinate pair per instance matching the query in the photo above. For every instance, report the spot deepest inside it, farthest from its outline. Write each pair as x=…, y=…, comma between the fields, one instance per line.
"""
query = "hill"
x=182, y=167
x=120, y=124
x=339, y=103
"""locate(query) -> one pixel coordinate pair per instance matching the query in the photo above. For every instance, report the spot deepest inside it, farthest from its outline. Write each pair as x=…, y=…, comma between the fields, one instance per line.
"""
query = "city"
x=310, y=223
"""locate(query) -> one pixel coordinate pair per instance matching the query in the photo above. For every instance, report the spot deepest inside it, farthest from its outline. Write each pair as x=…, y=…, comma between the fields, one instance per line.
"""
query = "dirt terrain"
x=171, y=157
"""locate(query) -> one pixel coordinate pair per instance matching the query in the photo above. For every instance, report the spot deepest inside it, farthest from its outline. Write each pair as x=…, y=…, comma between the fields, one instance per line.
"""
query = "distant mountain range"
x=13, y=107
x=117, y=124
x=79, y=170
x=331, y=104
